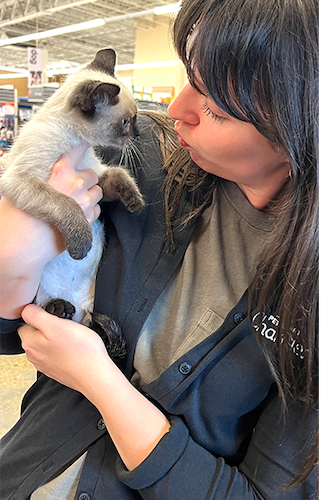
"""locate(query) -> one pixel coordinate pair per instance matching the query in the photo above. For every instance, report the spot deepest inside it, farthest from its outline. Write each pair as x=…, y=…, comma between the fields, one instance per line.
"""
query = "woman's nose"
x=184, y=106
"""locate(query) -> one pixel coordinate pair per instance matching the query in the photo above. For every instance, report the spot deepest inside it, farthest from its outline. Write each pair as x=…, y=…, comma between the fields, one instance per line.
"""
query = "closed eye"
x=211, y=113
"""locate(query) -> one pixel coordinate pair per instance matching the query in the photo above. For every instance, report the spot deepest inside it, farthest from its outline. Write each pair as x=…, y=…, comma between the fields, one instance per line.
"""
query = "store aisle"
x=16, y=376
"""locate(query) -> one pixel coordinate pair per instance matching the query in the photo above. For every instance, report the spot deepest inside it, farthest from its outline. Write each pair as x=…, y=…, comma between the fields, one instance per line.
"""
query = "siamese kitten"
x=91, y=108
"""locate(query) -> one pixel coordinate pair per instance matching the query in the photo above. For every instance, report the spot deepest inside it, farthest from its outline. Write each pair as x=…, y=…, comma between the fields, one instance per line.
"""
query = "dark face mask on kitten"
x=105, y=103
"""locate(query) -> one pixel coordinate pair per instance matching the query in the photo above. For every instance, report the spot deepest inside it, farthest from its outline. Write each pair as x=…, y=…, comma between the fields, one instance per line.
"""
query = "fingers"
x=69, y=163
x=89, y=177
x=80, y=185
x=38, y=329
x=67, y=167
x=34, y=315
x=38, y=318
x=89, y=203
x=65, y=178
x=58, y=347
x=31, y=338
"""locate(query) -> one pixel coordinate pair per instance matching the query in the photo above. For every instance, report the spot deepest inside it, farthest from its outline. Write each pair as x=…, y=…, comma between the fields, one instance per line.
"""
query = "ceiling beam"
x=40, y=13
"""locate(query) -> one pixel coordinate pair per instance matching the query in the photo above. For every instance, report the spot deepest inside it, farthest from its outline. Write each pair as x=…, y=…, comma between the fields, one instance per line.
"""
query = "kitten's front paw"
x=117, y=184
x=78, y=251
x=79, y=242
x=61, y=308
x=134, y=201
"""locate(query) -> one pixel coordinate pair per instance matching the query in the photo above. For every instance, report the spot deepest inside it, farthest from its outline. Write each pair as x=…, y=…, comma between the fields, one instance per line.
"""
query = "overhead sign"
x=36, y=67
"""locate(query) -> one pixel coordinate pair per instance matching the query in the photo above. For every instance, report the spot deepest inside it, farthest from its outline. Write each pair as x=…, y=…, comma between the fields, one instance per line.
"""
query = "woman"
x=200, y=408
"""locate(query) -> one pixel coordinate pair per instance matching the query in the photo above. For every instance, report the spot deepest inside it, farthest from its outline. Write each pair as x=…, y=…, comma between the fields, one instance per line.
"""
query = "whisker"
x=132, y=157
x=131, y=163
x=123, y=155
x=136, y=152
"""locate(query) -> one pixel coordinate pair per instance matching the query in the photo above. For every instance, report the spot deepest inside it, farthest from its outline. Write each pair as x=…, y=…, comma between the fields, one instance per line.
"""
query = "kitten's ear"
x=91, y=93
x=105, y=61
x=105, y=91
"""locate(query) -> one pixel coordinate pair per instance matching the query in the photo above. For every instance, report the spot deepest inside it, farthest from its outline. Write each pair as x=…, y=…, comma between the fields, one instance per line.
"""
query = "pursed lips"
x=181, y=141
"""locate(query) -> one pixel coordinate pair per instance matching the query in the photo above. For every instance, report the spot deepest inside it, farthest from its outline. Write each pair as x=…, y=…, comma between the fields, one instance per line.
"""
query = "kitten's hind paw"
x=111, y=335
x=61, y=308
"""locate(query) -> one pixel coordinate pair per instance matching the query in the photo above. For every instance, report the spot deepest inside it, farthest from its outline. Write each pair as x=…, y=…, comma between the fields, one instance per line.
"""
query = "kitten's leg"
x=61, y=308
x=117, y=184
x=110, y=333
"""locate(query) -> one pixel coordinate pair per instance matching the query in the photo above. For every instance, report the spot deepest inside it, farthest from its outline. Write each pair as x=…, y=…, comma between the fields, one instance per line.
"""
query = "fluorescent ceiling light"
x=58, y=31
x=167, y=9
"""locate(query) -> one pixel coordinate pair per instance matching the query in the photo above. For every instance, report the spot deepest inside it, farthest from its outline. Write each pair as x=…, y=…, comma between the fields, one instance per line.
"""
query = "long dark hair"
x=258, y=60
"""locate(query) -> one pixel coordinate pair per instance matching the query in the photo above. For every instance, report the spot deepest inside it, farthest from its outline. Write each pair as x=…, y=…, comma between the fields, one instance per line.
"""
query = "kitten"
x=91, y=108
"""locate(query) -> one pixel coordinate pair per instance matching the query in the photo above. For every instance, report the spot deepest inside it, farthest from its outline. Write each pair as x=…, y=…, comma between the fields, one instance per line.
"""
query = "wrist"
x=100, y=379
x=134, y=423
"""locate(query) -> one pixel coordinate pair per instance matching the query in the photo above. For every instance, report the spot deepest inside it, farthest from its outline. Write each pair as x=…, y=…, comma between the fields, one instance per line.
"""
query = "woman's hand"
x=81, y=185
x=63, y=350
x=76, y=357
x=28, y=244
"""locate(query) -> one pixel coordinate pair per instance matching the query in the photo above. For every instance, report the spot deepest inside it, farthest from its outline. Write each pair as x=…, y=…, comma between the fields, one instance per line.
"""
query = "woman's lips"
x=181, y=141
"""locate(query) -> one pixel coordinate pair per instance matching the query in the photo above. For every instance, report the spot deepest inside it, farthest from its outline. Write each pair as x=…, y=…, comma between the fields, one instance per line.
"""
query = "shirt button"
x=100, y=426
x=184, y=368
x=238, y=318
x=84, y=496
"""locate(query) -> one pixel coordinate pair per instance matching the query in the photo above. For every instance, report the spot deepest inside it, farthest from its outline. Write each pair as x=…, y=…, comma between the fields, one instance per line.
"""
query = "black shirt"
x=228, y=438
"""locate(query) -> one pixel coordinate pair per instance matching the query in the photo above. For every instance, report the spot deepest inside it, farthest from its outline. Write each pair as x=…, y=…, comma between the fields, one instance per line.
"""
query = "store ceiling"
x=21, y=17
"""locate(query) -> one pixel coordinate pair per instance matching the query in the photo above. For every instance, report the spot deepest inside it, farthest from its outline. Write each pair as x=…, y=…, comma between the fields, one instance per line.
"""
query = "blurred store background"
x=42, y=41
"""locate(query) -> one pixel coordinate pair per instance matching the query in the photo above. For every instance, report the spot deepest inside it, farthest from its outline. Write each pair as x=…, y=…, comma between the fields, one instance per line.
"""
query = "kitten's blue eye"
x=125, y=121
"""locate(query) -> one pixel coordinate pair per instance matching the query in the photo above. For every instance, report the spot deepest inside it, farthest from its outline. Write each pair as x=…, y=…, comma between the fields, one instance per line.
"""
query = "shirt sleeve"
x=10, y=342
x=180, y=468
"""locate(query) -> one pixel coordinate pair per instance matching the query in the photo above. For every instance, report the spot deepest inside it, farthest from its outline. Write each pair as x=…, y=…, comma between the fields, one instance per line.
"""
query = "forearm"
x=133, y=422
x=22, y=257
x=15, y=295
x=278, y=449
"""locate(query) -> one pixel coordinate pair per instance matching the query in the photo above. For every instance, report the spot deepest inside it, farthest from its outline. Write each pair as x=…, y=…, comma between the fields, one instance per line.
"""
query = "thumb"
x=35, y=316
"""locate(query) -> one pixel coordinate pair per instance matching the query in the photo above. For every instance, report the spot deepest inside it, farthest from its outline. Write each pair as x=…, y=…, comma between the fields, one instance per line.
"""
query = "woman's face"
x=227, y=147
